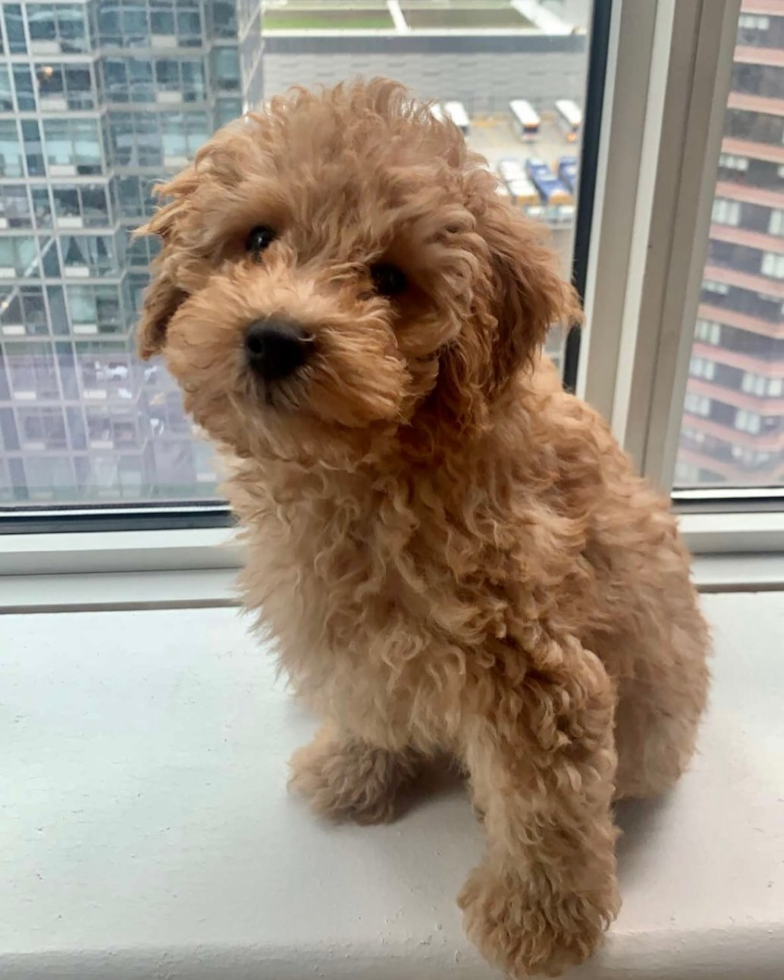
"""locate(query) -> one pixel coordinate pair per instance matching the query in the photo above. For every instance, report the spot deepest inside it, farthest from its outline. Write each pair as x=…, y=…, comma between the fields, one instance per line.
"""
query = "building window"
x=64, y=87
x=95, y=309
x=57, y=28
x=32, y=372
x=88, y=255
x=700, y=367
x=721, y=288
x=753, y=22
x=708, y=331
x=748, y=422
x=698, y=404
x=81, y=205
x=776, y=223
x=732, y=162
x=18, y=258
x=72, y=146
x=726, y=212
x=6, y=98
x=772, y=265
x=754, y=384
x=42, y=428
x=23, y=312
x=11, y=158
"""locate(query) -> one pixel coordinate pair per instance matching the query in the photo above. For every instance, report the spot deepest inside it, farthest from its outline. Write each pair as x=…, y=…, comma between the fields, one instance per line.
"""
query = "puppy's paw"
x=527, y=928
x=349, y=780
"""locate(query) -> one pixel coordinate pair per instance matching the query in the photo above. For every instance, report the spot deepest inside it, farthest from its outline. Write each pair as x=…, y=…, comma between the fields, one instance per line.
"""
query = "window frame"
x=670, y=71
x=638, y=264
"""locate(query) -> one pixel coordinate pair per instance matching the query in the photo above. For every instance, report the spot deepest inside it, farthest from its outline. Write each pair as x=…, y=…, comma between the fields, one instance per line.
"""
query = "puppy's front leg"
x=542, y=766
x=346, y=778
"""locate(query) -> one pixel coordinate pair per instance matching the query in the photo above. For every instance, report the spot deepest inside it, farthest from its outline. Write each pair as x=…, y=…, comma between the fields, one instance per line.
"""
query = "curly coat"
x=451, y=552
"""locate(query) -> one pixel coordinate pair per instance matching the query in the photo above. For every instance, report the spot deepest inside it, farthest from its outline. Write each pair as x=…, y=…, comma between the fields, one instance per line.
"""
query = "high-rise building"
x=99, y=100
x=733, y=426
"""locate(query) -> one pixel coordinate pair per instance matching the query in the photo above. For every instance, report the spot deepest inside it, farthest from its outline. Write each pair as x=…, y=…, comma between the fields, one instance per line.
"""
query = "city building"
x=733, y=425
x=99, y=100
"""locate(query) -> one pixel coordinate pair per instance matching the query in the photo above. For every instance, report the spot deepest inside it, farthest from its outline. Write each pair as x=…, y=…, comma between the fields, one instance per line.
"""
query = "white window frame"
x=670, y=65
x=669, y=68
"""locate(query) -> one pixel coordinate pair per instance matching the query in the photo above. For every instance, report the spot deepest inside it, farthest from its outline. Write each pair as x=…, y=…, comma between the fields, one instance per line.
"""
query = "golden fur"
x=451, y=552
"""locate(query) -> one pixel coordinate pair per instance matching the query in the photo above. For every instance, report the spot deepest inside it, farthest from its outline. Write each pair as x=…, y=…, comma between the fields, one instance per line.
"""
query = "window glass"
x=100, y=101
x=739, y=439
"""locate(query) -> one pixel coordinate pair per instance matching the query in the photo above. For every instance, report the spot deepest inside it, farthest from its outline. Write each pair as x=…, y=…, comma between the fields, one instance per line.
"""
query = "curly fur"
x=451, y=552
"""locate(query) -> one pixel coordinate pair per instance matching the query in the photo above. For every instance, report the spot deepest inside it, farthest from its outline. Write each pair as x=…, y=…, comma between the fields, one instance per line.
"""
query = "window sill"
x=711, y=534
x=151, y=830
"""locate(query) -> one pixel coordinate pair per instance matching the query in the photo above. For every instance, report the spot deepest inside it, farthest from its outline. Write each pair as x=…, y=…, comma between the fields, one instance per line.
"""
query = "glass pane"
x=100, y=102
x=733, y=423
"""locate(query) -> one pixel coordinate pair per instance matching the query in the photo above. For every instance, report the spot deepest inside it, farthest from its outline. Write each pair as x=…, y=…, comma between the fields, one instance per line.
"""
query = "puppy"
x=452, y=553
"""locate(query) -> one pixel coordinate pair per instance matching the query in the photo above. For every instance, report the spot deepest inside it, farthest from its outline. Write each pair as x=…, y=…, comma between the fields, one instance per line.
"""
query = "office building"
x=733, y=431
x=99, y=100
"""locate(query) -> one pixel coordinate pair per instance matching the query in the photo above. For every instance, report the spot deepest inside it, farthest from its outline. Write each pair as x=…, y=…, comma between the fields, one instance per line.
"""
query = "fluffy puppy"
x=452, y=553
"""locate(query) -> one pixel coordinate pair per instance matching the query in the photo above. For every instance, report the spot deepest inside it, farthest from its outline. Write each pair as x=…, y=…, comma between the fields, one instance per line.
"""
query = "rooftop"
x=411, y=16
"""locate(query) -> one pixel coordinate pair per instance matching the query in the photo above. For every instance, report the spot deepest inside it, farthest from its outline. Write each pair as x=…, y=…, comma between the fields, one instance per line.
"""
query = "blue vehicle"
x=567, y=172
x=558, y=202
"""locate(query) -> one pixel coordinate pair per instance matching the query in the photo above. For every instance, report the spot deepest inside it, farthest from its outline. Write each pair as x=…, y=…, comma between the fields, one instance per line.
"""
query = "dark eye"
x=260, y=238
x=388, y=280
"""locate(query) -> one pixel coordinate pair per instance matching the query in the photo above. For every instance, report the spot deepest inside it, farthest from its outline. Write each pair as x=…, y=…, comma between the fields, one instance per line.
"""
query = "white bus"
x=456, y=112
x=525, y=121
x=570, y=119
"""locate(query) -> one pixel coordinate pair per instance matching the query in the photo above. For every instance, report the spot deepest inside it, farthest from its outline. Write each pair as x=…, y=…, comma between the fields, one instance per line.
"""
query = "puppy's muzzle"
x=276, y=347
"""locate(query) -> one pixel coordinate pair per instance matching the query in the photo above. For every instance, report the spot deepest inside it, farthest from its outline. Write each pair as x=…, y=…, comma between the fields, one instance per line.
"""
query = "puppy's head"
x=339, y=266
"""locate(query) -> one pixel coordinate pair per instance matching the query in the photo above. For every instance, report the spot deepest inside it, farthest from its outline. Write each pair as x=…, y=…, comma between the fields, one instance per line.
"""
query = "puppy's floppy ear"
x=515, y=303
x=529, y=294
x=163, y=296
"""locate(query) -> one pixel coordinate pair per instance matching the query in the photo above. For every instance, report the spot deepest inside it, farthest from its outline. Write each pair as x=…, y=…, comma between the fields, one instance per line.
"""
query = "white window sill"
x=147, y=829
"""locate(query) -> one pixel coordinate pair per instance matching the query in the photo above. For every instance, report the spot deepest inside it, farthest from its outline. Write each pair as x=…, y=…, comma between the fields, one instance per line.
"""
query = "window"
x=748, y=422
x=64, y=86
x=81, y=205
x=42, y=428
x=740, y=313
x=702, y=368
x=730, y=161
x=698, y=405
x=726, y=212
x=73, y=147
x=753, y=22
x=772, y=265
x=100, y=101
x=708, y=332
x=57, y=28
x=11, y=157
x=23, y=311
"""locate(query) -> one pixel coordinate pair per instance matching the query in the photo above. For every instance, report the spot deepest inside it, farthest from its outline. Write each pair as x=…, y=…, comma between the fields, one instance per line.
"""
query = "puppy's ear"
x=529, y=294
x=163, y=296
x=515, y=303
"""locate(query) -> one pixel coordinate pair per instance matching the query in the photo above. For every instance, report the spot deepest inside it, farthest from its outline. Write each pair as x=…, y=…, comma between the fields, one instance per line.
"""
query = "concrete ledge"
x=147, y=830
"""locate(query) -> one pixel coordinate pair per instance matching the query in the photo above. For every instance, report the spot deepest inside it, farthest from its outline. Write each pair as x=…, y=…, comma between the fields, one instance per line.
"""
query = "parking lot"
x=494, y=138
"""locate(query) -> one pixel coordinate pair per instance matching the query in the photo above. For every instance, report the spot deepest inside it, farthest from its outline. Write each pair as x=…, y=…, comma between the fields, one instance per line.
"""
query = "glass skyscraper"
x=99, y=101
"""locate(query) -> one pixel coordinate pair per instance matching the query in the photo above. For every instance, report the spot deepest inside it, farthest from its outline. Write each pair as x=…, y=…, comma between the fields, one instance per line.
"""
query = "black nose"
x=275, y=347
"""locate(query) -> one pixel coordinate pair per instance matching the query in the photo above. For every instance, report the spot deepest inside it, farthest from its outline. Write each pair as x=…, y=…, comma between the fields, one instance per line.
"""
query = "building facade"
x=99, y=100
x=733, y=427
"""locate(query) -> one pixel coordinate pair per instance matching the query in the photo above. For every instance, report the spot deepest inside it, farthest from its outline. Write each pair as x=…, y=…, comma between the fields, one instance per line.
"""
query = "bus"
x=525, y=121
x=570, y=119
x=557, y=201
x=566, y=168
x=456, y=112
x=520, y=189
